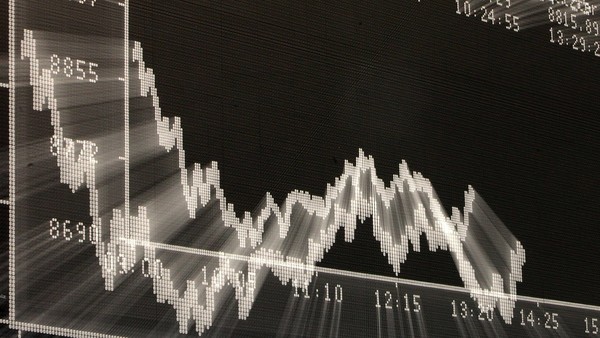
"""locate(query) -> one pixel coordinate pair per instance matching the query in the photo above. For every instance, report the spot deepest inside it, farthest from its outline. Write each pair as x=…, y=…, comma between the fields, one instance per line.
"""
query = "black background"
x=281, y=94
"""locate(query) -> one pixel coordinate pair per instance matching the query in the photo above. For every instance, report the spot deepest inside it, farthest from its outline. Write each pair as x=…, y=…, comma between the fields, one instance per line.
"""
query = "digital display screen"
x=304, y=169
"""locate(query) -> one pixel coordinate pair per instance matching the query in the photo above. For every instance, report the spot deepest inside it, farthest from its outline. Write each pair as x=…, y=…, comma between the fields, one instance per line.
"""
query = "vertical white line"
x=11, y=160
x=126, y=108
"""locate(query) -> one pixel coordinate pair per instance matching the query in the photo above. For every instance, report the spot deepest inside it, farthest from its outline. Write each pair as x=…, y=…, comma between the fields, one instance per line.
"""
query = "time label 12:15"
x=390, y=302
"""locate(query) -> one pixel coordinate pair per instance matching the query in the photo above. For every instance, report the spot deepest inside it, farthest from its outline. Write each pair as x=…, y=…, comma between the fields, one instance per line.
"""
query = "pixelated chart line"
x=6, y=202
x=294, y=265
x=4, y=85
x=365, y=202
x=360, y=275
x=375, y=201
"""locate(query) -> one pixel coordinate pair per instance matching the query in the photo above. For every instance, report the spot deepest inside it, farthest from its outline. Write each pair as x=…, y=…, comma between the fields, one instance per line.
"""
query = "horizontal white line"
x=70, y=332
x=31, y=327
x=7, y=202
x=544, y=301
x=366, y=276
x=4, y=85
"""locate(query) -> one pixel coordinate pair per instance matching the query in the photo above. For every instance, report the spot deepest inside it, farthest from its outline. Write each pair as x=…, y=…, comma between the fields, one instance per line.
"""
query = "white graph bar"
x=126, y=103
x=11, y=159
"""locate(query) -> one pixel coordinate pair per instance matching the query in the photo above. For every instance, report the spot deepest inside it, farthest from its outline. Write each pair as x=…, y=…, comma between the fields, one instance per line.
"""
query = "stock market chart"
x=304, y=169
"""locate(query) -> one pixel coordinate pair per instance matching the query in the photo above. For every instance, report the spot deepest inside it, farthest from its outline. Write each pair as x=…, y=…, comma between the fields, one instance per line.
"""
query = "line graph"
x=78, y=169
x=488, y=258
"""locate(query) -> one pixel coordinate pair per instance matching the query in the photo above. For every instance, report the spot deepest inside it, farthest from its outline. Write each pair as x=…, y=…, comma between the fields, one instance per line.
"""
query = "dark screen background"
x=281, y=94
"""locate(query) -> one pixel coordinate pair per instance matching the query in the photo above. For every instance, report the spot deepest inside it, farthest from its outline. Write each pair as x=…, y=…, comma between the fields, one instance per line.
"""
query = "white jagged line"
x=78, y=170
x=446, y=233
